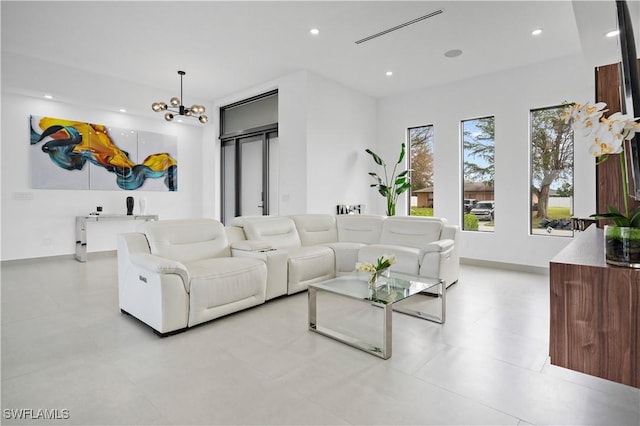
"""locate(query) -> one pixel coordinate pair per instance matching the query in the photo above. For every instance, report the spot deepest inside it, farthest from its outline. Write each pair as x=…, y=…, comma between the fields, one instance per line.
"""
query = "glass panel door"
x=251, y=176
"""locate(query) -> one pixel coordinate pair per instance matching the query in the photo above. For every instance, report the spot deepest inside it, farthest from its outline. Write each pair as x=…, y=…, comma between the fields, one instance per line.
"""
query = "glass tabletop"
x=388, y=290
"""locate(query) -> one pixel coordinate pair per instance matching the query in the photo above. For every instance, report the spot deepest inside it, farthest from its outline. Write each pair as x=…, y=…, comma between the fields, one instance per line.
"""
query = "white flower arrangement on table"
x=607, y=136
x=376, y=269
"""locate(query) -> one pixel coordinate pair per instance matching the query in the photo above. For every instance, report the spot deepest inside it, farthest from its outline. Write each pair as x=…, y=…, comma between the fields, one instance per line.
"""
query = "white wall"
x=341, y=125
x=45, y=224
x=508, y=96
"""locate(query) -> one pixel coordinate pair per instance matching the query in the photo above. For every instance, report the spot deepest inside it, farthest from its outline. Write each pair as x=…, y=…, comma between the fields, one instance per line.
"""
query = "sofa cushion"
x=187, y=240
x=414, y=232
x=225, y=285
x=281, y=232
x=316, y=229
x=225, y=280
x=307, y=265
x=346, y=255
x=363, y=229
x=407, y=258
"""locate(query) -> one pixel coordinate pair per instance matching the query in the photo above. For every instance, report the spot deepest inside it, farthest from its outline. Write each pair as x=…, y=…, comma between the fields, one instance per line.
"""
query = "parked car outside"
x=469, y=203
x=484, y=210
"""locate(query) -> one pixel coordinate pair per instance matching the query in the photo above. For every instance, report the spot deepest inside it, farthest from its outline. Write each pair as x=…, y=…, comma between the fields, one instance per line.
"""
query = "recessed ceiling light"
x=613, y=33
x=389, y=73
x=123, y=110
x=314, y=31
x=536, y=32
x=48, y=97
x=179, y=120
x=453, y=53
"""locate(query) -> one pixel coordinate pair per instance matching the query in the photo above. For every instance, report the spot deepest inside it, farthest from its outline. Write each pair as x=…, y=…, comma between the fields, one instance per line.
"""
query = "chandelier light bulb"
x=174, y=101
x=168, y=116
x=156, y=106
x=187, y=112
x=203, y=118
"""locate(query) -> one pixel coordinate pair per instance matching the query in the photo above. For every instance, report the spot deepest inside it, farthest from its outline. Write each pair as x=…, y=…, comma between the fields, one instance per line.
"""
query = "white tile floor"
x=66, y=346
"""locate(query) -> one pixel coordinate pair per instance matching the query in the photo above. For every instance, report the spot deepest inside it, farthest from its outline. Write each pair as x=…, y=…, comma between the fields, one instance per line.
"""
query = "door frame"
x=266, y=133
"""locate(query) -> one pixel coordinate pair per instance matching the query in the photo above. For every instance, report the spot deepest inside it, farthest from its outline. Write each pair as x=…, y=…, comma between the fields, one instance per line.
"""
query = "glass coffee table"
x=389, y=291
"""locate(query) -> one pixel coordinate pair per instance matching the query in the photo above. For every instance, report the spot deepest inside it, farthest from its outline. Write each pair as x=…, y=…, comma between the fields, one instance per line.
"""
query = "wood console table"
x=81, y=228
x=595, y=312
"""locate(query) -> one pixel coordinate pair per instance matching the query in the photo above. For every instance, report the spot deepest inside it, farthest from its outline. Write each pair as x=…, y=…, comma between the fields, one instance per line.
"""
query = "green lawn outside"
x=421, y=211
x=552, y=213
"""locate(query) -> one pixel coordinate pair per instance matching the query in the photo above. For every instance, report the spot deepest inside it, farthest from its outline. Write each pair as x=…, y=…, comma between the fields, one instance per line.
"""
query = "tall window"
x=421, y=165
x=551, y=172
x=478, y=153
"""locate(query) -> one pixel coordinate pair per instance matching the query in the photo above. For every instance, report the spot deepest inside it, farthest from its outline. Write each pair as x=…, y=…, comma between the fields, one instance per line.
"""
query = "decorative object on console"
x=608, y=136
x=130, y=203
x=196, y=111
x=95, y=156
x=349, y=209
x=142, y=202
x=382, y=265
x=390, y=188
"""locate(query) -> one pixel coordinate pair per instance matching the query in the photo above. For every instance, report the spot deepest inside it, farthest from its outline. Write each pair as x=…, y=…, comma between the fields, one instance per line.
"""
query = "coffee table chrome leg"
x=443, y=294
x=312, y=308
x=383, y=352
x=387, y=332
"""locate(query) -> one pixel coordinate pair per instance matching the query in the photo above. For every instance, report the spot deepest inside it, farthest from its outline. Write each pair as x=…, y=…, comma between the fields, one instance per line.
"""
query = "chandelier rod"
x=181, y=74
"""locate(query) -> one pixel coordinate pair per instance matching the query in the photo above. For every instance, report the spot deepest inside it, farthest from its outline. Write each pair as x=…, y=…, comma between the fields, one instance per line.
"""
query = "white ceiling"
x=228, y=46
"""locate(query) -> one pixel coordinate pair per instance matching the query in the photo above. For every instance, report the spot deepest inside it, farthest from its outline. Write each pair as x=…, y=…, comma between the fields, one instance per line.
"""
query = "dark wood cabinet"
x=595, y=312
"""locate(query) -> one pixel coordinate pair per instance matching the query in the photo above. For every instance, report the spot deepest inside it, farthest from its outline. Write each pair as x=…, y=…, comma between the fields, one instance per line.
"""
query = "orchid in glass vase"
x=607, y=136
x=376, y=269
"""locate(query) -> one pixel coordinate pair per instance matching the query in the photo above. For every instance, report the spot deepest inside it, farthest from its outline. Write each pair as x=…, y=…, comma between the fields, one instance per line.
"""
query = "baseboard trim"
x=506, y=266
x=95, y=254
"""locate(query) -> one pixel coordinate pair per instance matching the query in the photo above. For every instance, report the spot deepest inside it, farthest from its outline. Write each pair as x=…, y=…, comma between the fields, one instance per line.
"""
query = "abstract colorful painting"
x=69, y=154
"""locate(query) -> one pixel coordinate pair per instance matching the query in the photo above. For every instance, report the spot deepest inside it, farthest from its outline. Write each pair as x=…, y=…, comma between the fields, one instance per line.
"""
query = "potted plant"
x=608, y=135
x=391, y=186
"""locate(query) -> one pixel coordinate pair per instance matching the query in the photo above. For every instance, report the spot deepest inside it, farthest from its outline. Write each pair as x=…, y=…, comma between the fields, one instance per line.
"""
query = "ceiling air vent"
x=397, y=27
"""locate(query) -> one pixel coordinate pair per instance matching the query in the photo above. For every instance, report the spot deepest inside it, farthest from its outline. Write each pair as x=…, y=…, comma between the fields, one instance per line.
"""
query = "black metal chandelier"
x=175, y=107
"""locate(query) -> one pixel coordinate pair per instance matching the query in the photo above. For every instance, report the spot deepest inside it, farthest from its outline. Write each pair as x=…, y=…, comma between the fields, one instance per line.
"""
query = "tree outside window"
x=478, y=153
x=551, y=172
x=421, y=165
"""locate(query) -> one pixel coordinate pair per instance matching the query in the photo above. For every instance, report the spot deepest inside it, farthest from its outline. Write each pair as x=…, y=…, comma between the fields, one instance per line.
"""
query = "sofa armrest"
x=252, y=245
x=276, y=261
x=436, y=247
x=160, y=265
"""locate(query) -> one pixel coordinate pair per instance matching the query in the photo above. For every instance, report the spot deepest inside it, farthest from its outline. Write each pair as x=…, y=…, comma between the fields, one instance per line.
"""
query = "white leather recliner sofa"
x=174, y=274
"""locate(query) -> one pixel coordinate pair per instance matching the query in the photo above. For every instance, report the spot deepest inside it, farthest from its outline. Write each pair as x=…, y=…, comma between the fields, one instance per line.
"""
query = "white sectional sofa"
x=174, y=274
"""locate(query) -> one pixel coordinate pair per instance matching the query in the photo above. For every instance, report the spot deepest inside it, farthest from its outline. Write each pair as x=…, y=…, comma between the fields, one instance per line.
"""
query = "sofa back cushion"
x=187, y=240
x=316, y=229
x=355, y=228
x=280, y=231
x=411, y=231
